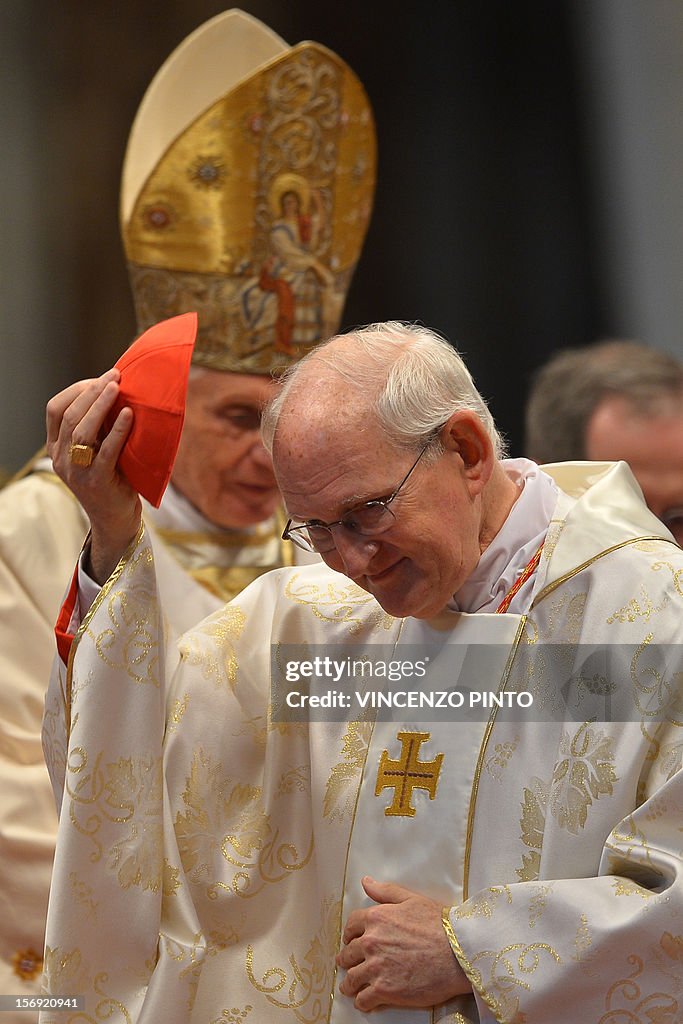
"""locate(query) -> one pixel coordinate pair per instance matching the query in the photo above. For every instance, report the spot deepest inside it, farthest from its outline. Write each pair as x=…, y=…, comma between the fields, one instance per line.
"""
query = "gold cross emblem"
x=407, y=774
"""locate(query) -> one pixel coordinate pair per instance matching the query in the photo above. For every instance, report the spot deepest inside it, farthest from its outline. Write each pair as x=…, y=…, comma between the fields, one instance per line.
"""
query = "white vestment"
x=209, y=851
x=42, y=529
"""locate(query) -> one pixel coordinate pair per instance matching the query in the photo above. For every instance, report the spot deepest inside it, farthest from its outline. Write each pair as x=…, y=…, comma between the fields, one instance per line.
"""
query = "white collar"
x=513, y=546
x=176, y=512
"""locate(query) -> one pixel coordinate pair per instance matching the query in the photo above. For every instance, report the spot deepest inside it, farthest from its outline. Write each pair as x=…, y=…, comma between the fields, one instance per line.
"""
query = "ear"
x=466, y=437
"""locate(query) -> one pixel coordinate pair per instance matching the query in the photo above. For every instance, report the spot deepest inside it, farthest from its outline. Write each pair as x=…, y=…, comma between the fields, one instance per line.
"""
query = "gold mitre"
x=246, y=193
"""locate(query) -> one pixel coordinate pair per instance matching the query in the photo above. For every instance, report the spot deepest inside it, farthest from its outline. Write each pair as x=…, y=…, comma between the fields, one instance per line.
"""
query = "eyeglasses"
x=367, y=520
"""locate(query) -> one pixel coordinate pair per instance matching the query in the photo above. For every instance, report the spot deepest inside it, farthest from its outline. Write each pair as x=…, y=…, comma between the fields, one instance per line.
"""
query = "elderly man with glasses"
x=494, y=836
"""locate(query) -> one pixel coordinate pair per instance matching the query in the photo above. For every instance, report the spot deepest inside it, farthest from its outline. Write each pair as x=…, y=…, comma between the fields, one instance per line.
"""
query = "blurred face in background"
x=221, y=467
x=652, y=444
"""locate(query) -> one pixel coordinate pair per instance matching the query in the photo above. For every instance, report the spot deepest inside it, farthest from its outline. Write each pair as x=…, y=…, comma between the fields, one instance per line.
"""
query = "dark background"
x=488, y=223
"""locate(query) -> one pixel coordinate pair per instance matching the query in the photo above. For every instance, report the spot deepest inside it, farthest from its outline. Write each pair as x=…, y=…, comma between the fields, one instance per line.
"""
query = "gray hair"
x=567, y=390
x=417, y=377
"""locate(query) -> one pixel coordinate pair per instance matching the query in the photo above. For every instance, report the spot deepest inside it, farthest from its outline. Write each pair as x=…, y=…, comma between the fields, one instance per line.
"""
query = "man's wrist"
x=105, y=553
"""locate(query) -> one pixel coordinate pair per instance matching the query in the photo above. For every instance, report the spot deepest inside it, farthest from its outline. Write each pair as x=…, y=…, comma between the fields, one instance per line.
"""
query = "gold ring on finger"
x=81, y=454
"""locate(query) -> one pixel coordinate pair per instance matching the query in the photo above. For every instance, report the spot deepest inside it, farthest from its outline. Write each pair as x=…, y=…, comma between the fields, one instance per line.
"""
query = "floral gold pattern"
x=342, y=785
x=484, y=903
x=584, y=774
x=499, y=760
x=125, y=793
x=305, y=987
x=347, y=604
x=533, y=827
x=626, y=1001
x=221, y=665
x=250, y=844
x=233, y=1016
x=627, y=887
x=641, y=607
x=583, y=940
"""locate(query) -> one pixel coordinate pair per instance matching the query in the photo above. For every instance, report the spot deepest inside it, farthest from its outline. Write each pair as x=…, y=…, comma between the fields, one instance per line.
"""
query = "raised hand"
x=84, y=456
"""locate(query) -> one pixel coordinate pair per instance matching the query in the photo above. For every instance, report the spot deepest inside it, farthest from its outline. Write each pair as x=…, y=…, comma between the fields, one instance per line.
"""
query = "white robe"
x=209, y=851
x=42, y=529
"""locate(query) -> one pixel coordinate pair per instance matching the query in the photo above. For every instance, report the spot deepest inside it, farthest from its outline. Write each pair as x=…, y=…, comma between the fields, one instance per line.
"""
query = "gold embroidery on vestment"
x=82, y=894
x=342, y=785
x=537, y=904
x=590, y=561
x=626, y=1000
x=505, y=974
x=583, y=940
x=521, y=631
x=144, y=555
x=339, y=604
x=676, y=574
x=584, y=774
x=306, y=985
x=210, y=646
x=484, y=903
x=235, y=1015
x=532, y=824
x=126, y=793
x=627, y=887
x=407, y=773
x=249, y=843
x=498, y=762
x=641, y=607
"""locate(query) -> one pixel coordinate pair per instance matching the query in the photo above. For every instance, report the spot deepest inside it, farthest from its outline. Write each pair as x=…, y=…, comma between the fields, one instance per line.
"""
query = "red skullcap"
x=154, y=375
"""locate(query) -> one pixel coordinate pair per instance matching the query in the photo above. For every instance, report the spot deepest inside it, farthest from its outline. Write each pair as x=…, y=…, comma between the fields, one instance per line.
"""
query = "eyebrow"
x=347, y=506
x=360, y=499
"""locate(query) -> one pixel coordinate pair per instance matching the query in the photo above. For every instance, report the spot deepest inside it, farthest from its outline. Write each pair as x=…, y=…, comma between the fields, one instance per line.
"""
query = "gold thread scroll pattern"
x=627, y=1004
x=507, y=975
x=641, y=607
x=219, y=807
x=130, y=643
x=346, y=605
x=653, y=692
x=210, y=646
x=306, y=986
x=66, y=973
x=125, y=793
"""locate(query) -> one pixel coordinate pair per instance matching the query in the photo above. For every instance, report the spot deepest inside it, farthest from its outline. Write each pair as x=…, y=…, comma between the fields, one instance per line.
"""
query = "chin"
x=242, y=518
x=403, y=605
x=422, y=601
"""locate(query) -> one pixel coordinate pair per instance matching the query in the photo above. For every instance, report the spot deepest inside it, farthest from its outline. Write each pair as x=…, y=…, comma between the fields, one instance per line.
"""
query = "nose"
x=352, y=553
x=259, y=454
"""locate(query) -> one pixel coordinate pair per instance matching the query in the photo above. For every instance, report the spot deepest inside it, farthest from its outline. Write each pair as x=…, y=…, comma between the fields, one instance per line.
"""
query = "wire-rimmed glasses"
x=367, y=520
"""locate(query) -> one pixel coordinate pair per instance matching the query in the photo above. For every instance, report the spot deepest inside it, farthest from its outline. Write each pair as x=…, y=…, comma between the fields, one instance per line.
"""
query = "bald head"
x=388, y=417
x=398, y=380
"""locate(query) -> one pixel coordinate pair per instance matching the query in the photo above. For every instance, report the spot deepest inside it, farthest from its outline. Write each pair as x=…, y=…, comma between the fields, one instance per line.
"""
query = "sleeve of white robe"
x=110, y=862
x=606, y=949
x=41, y=531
